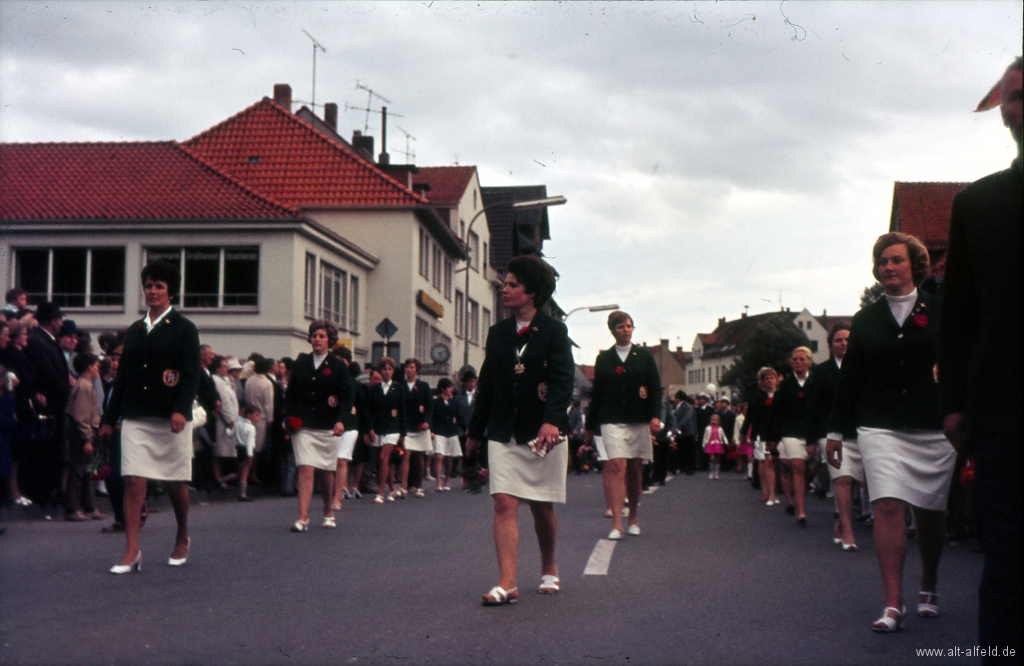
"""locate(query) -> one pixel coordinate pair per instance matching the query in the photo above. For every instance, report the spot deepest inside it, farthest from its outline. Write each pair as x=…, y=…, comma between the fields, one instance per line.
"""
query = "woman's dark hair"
x=386, y=360
x=107, y=341
x=536, y=276
x=412, y=361
x=262, y=365
x=343, y=352
x=83, y=362
x=616, y=318
x=836, y=329
x=920, y=264
x=215, y=363
x=84, y=343
x=444, y=383
x=288, y=362
x=163, y=271
x=327, y=327
x=355, y=369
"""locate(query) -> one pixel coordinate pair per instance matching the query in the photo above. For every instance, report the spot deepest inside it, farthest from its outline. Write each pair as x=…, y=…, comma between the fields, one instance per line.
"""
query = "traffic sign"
x=386, y=328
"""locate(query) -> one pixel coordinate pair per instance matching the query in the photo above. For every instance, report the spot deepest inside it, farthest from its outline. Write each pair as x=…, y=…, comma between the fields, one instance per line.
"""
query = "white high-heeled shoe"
x=180, y=561
x=136, y=565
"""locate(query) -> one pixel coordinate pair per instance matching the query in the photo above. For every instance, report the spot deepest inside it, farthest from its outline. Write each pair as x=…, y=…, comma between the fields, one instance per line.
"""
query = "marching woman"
x=350, y=440
x=157, y=380
x=523, y=398
x=626, y=403
x=318, y=399
x=387, y=425
x=444, y=428
x=787, y=432
x=759, y=413
x=418, y=400
x=888, y=391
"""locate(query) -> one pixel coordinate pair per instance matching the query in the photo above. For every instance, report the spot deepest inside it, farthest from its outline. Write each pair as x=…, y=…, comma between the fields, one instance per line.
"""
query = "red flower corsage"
x=140, y=326
x=920, y=320
x=294, y=423
x=619, y=370
x=327, y=372
x=799, y=394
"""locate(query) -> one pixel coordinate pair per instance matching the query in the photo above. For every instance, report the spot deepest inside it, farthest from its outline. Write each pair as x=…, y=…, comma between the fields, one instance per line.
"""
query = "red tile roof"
x=728, y=337
x=288, y=160
x=447, y=183
x=923, y=210
x=143, y=180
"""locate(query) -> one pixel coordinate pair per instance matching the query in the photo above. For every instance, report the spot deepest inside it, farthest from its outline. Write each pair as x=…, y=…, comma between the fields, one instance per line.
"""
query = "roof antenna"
x=316, y=45
x=410, y=154
x=370, y=94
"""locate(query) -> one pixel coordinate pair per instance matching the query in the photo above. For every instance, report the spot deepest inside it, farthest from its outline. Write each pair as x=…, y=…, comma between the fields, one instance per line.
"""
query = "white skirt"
x=347, y=444
x=916, y=466
x=515, y=470
x=151, y=451
x=447, y=446
x=418, y=441
x=381, y=440
x=316, y=448
x=627, y=440
x=852, y=464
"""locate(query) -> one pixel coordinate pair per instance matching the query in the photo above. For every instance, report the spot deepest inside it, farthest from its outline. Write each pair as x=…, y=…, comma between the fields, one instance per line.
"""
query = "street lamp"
x=592, y=308
x=532, y=204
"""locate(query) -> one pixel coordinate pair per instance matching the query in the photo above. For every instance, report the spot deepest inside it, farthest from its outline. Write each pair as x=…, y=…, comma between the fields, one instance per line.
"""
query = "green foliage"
x=871, y=294
x=771, y=343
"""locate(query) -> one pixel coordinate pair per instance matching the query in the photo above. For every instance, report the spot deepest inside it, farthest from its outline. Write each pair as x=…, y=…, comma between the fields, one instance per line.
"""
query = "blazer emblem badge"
x=421, y=409
x=520, y=368
x=542, y=391
x=171, y=377
x=643, y=392
x=332, y=401
x=353, y=410
x=394, y=413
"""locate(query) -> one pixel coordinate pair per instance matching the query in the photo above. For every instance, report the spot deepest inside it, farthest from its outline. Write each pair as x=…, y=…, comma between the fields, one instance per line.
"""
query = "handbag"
x=198, y=415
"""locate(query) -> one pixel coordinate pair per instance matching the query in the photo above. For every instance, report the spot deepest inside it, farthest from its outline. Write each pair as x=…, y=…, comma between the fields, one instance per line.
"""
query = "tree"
x=871, y=294
x=771, y=344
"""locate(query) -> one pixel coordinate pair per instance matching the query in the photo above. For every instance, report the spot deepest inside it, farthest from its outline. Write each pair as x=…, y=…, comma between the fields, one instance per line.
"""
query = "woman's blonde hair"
x=766, y=371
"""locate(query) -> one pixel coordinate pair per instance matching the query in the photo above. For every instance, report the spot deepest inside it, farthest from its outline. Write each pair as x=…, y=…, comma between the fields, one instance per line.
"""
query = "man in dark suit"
x=703, y=411
x=685, y=426
x=465, y=403
x=980, y=368
x=46, y=355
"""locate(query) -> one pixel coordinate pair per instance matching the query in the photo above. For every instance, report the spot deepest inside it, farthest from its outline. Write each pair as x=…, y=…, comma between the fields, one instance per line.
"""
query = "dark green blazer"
x=159, y=372
x=320, y=396
x=518, y=404
x=625, y=391
x=887, y=379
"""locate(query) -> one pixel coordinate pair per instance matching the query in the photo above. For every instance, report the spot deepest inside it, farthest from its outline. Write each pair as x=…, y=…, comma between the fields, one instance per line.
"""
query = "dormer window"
x=254, y=159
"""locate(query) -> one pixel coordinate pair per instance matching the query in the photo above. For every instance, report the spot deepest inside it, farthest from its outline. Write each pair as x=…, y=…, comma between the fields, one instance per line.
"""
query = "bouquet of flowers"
x=967, y=474
x=294, y=423
x=99, y=466
x=474, y=478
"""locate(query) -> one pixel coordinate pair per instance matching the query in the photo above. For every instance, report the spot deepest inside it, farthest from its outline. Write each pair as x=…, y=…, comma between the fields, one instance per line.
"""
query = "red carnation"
x=523, y=331
x=327, y=372
x=294, y=423
x=920, y=320
x=799, y=394
x=619, y=370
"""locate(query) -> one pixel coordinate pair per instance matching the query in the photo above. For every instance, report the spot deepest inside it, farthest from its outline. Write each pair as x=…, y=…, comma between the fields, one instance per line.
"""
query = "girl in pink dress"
x=714, y=444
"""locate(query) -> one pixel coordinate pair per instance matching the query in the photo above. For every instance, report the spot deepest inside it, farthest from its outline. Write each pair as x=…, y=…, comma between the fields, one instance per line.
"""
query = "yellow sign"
x=429, y=304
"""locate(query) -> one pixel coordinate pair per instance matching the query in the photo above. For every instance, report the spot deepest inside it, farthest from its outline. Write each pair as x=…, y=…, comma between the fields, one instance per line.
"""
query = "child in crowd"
x=444, y=429
x=83, y=413
x=714, y=444
x=245, y=438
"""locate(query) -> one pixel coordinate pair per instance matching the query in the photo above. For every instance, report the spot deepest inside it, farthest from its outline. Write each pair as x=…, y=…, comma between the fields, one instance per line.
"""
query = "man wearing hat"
x=47, y=356
x=67, y=337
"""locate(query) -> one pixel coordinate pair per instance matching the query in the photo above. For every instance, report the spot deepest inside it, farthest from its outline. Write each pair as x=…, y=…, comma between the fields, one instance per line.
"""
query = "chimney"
x=384, y=159
x=824, y=313
x=363, y=144
x=283, y=96
x=721, y=321
x=331, y=115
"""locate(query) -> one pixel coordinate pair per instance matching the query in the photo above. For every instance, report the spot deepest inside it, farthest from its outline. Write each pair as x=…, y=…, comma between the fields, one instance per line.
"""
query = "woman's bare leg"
x=304, y=482
x=844, y=506
x=134, y=498
x=177, y=492
x=506, y=538
x=545, y=524
x=890, y=535
x=634, y=484
x=341, y=482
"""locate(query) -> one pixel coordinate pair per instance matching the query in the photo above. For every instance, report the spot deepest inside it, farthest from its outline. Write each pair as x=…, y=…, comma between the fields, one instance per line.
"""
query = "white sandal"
x=549, y=584
x=499, y=596
x=330, y=521
x=928, y=609
x=887, y=624
x=300, y=526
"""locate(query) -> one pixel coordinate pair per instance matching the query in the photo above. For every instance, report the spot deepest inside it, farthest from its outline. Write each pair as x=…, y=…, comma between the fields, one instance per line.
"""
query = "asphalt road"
x=715, y=578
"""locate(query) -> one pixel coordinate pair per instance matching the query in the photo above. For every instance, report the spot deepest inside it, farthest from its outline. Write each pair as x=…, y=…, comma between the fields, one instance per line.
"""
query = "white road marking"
x=600, y=559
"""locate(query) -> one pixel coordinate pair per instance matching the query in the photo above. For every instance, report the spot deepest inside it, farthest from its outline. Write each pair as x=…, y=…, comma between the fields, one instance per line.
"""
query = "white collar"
x=385, y=386
x=151, y=324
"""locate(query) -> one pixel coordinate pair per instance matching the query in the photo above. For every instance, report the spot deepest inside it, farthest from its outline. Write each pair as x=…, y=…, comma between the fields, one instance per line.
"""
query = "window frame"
x=88, y=293
x=179, y=300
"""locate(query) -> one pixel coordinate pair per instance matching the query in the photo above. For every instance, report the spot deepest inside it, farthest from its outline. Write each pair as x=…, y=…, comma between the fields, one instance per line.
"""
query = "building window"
x=474, y=251
x=460, y=315
x=72, y=277
x=474, y=321
x=809, y=325
x=214, y=277
x=462, y=230
x=485, y=259
x=486, y=325
x=333, y=300
x=353, y=301
x=422, y=340
x=448, y=277
x=309, y=298
x=474, y=199
x=437, y=275
x=800, y=325
x=424, y=253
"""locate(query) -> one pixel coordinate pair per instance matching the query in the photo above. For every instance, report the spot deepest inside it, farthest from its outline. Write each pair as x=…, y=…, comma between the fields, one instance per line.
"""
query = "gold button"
x=900, y=335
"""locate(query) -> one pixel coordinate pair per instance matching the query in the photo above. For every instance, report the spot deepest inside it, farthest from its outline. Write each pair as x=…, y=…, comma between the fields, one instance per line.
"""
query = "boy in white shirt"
x=245, y=438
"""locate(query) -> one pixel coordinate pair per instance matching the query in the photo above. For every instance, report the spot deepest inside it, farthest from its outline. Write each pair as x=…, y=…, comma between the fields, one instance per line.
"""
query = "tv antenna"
x=316, y=45
x=370, y=94
x=410, y=154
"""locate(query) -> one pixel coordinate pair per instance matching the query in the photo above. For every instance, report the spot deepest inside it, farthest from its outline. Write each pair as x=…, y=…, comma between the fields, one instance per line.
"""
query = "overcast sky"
x=714, y=155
